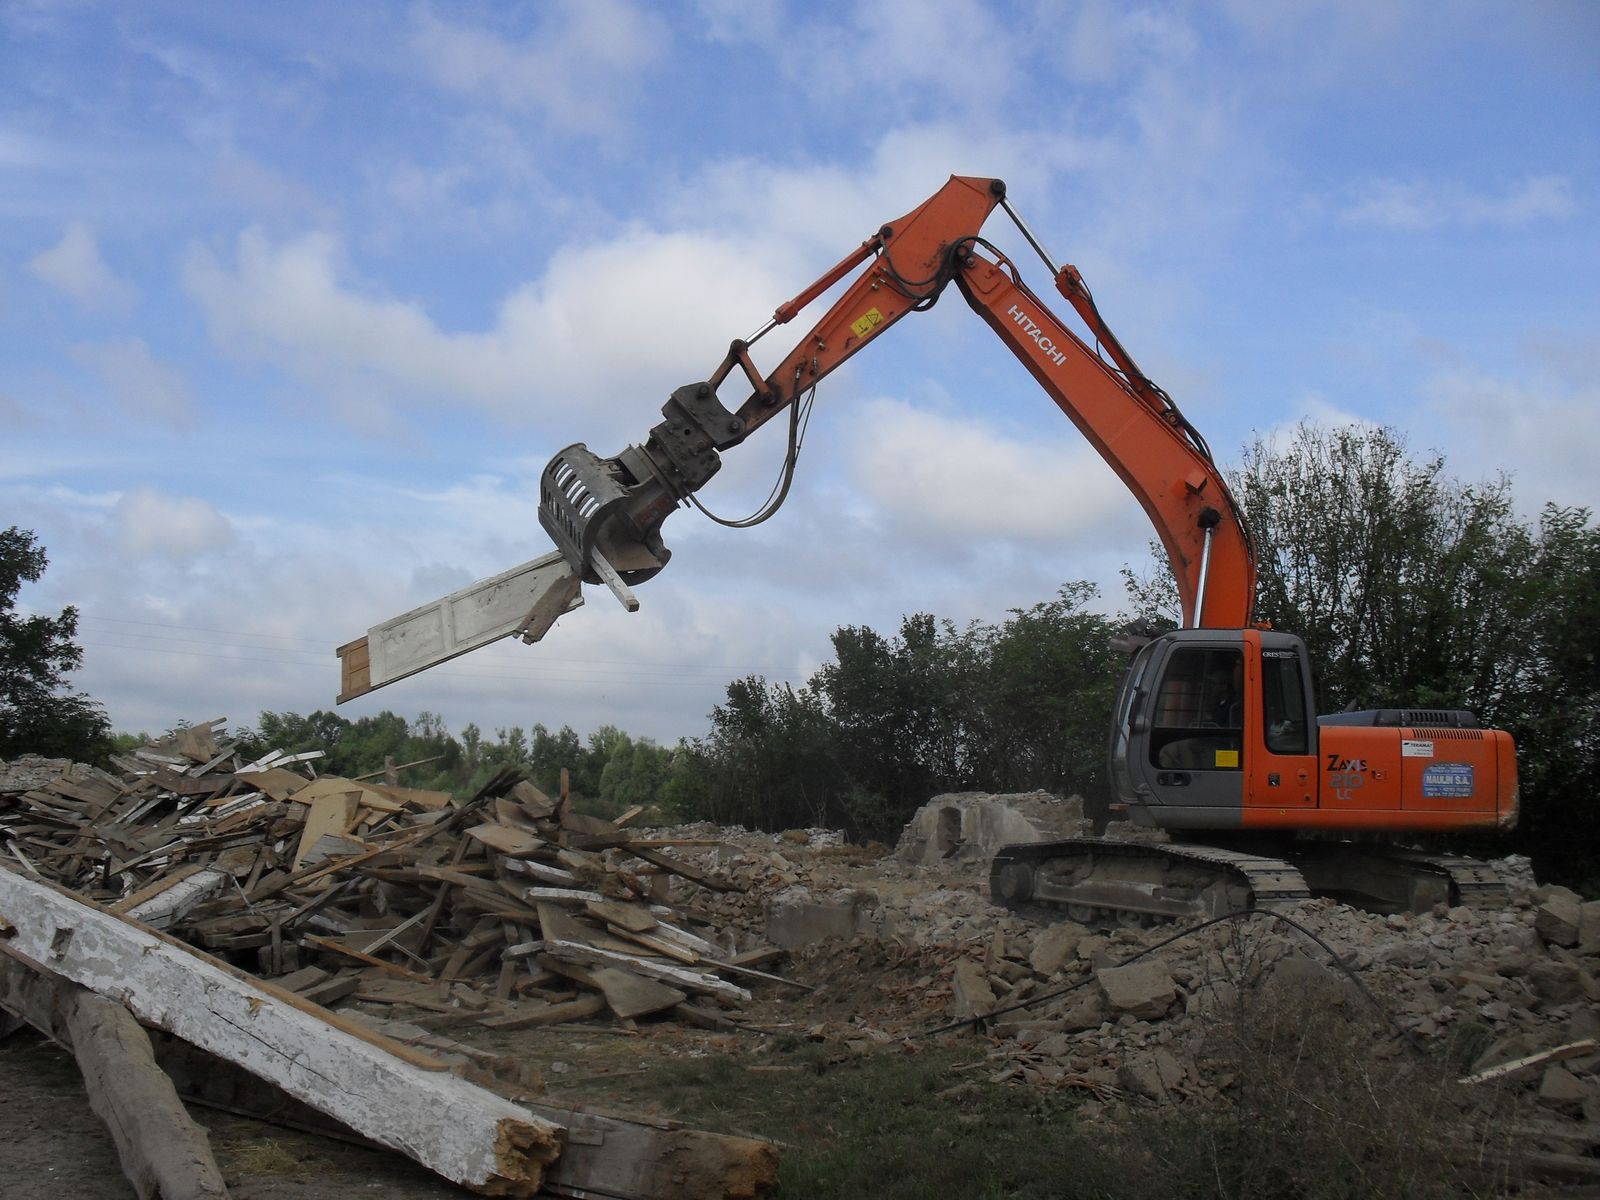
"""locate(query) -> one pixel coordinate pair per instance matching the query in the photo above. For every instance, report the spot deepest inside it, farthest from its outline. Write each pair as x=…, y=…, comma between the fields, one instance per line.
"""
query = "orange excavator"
x=1215, y=737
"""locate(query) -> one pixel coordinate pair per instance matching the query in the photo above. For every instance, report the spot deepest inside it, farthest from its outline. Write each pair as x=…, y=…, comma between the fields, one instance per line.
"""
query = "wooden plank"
x=1554, y=1054
x=276, y=782
x=617, y=1155
x=524, y=1017
x=525, y=601
x=655, y=944
x=164, y=1154
x=635, y=918
x=367, y=796
x=677, y=867
x=559, y=598
x=323, y=943
x=155, y=887
x=677, y=976
x=504, y=839
x=333, y=813
x=418, y=797
x=534, y=802
x=161, y=910
x=465, y=1133
x=629, y=995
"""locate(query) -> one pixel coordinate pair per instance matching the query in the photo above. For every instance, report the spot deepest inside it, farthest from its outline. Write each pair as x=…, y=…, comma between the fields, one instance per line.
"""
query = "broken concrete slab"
x=1558, y=915
x=1055, y=947
x=970, y=826
x=1589, y=928
x=1560, y=1088
x=797, y=918
x=1143, y=989
x=970, y=991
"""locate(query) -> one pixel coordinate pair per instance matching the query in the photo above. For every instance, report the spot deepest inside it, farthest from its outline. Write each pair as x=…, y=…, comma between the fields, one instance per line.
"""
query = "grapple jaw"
x=605, y=514
x=592, y=506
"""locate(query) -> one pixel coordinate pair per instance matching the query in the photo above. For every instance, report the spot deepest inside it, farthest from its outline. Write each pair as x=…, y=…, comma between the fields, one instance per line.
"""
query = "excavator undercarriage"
x=1108, y=881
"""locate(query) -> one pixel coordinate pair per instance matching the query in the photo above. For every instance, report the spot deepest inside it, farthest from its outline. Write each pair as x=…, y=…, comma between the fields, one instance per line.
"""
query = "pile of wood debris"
x=506, y=908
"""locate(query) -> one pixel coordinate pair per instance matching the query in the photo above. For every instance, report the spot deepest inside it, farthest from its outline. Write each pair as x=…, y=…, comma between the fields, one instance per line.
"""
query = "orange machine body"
x=1216, y=726
x=1215, y=731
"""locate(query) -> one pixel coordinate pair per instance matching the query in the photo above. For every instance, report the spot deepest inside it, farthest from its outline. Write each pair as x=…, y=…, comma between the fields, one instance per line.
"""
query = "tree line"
x=1410, y=587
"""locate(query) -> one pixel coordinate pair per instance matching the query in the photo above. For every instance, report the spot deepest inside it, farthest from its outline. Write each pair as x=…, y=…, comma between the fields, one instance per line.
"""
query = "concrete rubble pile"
x=1511, y=992
x=505, y=909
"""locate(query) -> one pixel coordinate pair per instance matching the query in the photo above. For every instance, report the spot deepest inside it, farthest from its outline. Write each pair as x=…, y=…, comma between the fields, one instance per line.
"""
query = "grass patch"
x=886, y=1124
x=266, y=1156
x=1321, y=1107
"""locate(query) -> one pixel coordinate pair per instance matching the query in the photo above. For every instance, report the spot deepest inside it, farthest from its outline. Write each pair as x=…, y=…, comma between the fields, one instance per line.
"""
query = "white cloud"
x=74, y=268
x=580, y=69
x=938, y=479
x=1102, y=39
x=1542, y=429
x=1417, y=206
x=153, y=525
x=598, y=341
x=144, y=387
x=736, y=21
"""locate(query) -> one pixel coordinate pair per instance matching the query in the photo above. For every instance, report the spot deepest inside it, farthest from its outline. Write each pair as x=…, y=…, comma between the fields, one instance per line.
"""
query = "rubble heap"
x=507, y=904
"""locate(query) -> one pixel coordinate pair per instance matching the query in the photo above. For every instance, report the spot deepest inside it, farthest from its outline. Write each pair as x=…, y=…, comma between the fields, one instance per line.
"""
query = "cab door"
x=1184, y=746
x=1281, y=730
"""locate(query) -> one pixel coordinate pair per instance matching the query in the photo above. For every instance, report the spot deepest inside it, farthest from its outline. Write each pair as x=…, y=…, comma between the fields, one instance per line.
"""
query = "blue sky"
x=297, y=299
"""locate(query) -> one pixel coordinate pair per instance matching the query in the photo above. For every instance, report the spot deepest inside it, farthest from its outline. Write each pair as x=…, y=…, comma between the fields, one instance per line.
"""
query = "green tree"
x=1397, y=575
x=39, y=713
x=1052, y=679
x=1552, y=705
x=1412, y=588
x=549, y=752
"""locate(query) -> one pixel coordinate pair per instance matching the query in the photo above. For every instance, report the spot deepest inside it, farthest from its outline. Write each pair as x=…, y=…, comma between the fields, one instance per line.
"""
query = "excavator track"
x=1096, y=880
x=1396, y=878
x=1101, y=881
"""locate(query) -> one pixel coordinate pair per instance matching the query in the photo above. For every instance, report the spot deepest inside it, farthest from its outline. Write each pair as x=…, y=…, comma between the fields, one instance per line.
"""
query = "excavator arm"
x=605, y=514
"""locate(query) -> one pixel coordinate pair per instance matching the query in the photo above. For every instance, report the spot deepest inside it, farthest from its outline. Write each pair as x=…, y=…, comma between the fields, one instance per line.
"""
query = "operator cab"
x=1207, y=718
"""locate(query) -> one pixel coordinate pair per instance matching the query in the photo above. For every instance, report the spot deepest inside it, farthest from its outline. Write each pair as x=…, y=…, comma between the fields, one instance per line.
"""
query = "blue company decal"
x=1448, y=780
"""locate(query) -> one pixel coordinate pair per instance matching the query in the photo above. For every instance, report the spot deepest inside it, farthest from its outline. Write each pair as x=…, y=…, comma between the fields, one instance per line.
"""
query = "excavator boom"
x=599, y=508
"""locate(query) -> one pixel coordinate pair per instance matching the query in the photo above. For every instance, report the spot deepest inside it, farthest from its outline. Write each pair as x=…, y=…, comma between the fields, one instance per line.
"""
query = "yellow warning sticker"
x=866, y=322
x=1228, y=758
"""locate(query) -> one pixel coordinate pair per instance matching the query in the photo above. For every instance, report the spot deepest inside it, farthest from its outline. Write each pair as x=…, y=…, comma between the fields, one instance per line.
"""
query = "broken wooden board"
x=163, y=1152
x=378, y=1088
x=612, y=1154
x=589, y=956
x=277, y=782
x=505, y=839
x=187, y=889
x=629, y=996
x=333, y=813
x=609, y=1155
x=524, y=601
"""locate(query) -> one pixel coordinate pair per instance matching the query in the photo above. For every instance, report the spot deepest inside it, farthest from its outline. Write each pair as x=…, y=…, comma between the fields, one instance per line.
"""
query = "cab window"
x=1284, y=703
x=1199, y=710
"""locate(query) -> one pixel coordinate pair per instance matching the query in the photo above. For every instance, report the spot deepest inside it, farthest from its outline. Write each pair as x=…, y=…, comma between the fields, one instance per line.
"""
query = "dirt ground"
x=55, y=1148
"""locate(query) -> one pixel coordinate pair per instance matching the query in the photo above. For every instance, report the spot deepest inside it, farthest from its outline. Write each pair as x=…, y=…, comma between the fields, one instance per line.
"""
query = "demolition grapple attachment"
x=605, y=514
